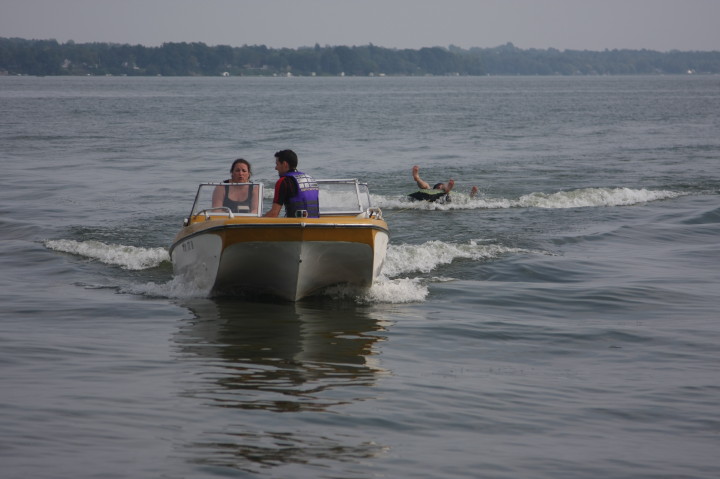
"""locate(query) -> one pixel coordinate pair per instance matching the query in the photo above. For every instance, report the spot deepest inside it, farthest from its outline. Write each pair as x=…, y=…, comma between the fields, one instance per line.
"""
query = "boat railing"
x=209, y=211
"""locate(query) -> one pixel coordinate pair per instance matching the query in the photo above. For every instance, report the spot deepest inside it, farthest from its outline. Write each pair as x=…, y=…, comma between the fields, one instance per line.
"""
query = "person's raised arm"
x=420, y=182
x=449, y=185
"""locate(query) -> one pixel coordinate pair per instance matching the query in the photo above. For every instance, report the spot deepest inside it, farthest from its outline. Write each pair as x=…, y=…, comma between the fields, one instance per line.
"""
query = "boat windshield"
x=336, y=197
x=343, y=197
x=228, y=199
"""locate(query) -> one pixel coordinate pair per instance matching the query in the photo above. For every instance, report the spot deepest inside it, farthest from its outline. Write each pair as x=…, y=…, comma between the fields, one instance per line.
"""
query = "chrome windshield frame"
x=205, y=191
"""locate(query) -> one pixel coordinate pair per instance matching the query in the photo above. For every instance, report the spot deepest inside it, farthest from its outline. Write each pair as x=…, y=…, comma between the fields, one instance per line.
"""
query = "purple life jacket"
x=306, y=196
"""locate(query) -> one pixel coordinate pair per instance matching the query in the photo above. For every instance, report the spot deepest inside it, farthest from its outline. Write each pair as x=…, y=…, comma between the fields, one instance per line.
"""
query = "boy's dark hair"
x=288, y=156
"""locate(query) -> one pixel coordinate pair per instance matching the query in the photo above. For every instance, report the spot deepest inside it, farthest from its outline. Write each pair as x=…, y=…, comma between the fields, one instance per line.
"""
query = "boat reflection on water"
x=261, y=359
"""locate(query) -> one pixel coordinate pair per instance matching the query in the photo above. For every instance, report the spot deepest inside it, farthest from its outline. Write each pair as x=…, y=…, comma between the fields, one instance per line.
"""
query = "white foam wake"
x=383, y=291
x=579, y=198
x=394, y=286
x=398, y=283
x=177, y=288
x=425, y=257
x=127, y=257
x=588, y=197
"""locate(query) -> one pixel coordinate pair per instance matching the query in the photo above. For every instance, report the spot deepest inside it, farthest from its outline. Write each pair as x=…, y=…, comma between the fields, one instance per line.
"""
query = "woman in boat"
x=238, y=198
x=439, y=192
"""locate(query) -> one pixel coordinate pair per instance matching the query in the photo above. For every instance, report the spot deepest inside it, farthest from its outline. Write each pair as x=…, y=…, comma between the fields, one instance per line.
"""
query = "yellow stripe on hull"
x=288, y=229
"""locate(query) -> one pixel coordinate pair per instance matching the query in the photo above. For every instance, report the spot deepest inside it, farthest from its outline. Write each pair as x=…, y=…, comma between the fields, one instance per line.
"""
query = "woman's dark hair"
x=243, y=161
x=288, y=156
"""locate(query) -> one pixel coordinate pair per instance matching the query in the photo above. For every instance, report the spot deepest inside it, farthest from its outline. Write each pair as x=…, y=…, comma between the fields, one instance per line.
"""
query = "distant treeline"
x=48, y=57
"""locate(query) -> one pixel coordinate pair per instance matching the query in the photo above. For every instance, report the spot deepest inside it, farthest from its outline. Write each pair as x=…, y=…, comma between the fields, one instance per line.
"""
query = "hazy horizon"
x=661, y=25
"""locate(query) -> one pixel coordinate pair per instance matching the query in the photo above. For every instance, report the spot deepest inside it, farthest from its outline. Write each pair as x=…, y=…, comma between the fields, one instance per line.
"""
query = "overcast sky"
x=563, y=24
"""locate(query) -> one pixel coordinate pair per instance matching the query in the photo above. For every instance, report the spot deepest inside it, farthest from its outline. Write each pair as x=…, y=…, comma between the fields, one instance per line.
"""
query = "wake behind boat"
x=224, y=251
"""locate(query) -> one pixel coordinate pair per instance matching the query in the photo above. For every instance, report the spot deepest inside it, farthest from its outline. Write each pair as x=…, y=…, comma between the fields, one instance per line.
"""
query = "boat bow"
x=226, y=252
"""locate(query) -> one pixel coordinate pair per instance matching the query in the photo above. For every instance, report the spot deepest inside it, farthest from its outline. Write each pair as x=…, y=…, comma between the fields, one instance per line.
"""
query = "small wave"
x=176, y=288
x=587, y=197
x=392, y=287
x=423, y=258
x=459, y=202
x=401, y=260
x=383, y=291
x=406, y=259
x=127, y=257
x=579, y=198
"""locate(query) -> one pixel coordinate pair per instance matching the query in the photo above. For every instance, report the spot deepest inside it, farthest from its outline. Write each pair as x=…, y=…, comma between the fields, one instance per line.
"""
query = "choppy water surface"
x=561, y=324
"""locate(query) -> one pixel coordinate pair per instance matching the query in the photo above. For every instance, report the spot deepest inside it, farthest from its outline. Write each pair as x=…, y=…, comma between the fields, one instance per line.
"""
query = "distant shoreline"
x=50, y=58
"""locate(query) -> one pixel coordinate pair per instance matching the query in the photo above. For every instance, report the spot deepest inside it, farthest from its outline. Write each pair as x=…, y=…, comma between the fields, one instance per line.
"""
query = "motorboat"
x=229, y=252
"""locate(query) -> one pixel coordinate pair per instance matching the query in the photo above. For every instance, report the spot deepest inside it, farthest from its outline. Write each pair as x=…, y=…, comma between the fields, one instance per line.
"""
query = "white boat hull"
x=291, y=270
x=296, y=269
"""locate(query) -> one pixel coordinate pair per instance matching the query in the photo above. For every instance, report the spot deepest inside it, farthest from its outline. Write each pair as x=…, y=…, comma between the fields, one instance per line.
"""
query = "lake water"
x=562, y=324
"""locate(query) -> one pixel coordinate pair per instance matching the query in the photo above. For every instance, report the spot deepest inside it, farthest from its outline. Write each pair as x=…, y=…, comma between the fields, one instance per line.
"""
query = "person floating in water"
x=439, y=192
